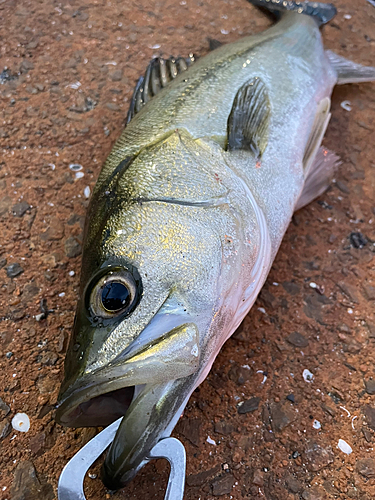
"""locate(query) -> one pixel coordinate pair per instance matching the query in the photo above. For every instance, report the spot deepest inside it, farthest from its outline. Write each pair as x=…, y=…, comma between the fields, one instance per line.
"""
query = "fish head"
x=154, y=277
x=135, y=324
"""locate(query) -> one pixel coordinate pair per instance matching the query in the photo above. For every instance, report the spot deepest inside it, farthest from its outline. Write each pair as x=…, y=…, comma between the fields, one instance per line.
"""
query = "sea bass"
x=186, y=218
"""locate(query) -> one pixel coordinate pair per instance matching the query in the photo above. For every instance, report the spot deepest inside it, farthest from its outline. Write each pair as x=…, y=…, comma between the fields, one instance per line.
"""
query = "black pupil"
x=115, y=296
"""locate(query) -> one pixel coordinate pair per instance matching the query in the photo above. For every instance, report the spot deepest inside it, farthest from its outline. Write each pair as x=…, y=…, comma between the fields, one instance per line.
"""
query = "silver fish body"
x=190, y=226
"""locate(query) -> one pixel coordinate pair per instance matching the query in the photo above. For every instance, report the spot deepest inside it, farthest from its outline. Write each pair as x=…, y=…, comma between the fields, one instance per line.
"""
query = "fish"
x=186, y=218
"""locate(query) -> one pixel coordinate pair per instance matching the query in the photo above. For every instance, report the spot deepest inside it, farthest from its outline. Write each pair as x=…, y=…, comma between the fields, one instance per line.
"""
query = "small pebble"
x=211, y=441
x=74, y=85
x=71, y=273
x=5, y=429
x=19, y=209
x=4, y=409
x=370, y=386
x=21, y=422
x=344, y=447
x=79, y=175
x=357, y=239
x=248, y=406
x=298, y=340
x=14, y=270
x=87, y=192
x=72, y=247
x=307, y=375
x=116, y=76
x=317, y=424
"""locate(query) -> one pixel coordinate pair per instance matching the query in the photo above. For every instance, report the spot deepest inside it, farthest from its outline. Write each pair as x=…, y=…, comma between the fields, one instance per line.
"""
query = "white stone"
x=307, y=375
x=344, y=447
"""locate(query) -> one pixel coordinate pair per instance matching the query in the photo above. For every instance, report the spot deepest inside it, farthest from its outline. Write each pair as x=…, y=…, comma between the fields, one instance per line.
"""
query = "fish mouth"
x=149, y=411
x=99, y=411
x=148, y=387
x=151, y=417
x=99, y=397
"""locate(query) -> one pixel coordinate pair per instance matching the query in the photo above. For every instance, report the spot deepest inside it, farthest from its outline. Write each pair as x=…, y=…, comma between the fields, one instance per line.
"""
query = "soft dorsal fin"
x=157, y=76
x=318, y=129
x=249, y=119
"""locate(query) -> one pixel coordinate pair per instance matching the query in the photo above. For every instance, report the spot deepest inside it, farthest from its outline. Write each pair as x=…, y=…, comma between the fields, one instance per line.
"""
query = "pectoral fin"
x=349, y=71
x=249, y=119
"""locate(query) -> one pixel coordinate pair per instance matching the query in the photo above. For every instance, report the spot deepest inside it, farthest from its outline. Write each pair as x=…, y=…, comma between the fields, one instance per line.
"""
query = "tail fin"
x=322, y=12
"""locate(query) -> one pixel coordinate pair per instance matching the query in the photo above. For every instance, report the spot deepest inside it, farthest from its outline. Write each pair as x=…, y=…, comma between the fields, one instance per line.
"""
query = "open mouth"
x=99, y=398
x=149, y=389
x=148, y=411
x=100, y=411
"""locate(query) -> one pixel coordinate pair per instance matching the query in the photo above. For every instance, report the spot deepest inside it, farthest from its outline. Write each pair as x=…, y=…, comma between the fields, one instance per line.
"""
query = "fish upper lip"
x=158, y=324
x=170, y=315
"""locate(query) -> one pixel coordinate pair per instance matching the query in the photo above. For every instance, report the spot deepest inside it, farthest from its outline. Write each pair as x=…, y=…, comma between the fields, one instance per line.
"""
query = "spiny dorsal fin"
x=157, y=76
x=249, y=119
x=322, y=12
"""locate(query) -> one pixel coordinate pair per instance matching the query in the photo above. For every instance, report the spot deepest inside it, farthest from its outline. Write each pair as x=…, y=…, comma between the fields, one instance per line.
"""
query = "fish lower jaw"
x=151, y=417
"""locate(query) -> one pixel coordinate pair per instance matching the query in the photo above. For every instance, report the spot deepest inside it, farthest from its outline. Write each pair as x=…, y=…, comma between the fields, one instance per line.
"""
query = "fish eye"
x=114, y=293
x=115, y=296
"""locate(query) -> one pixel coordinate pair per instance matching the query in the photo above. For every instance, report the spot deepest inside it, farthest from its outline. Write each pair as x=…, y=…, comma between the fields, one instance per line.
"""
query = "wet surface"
x=298, y=375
